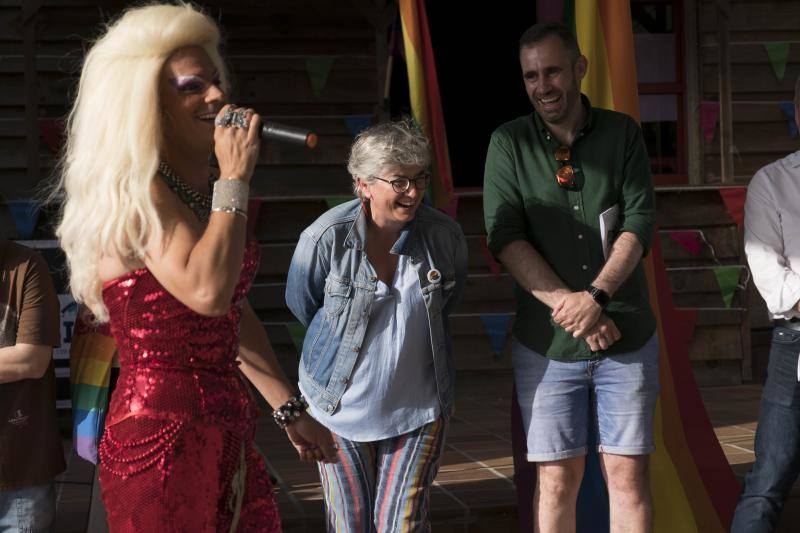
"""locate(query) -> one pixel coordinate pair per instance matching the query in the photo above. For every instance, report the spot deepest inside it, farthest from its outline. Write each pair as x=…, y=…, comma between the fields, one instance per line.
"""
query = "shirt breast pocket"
x=338, y=292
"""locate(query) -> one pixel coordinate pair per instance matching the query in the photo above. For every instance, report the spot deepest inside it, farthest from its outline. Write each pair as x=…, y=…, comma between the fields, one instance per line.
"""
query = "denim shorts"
x=559, y=400
x=28, y=510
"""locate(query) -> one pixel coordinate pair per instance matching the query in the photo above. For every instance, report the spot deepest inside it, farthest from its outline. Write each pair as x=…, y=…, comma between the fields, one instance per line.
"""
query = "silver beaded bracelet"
x=230, y=196
x=234, y=210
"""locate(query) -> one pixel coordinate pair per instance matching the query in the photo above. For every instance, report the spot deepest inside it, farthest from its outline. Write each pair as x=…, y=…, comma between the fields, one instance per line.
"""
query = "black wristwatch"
x=599, y=295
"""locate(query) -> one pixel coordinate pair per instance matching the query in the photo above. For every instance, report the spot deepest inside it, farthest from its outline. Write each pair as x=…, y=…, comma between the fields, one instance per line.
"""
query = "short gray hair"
x=398, y=143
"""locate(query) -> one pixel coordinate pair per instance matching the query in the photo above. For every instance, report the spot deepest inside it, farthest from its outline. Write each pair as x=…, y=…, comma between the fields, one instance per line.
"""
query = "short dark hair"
x=539, y=32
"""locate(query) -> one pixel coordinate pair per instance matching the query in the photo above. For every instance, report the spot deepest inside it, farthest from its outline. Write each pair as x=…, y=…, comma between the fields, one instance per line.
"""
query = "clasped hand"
x=579, y=314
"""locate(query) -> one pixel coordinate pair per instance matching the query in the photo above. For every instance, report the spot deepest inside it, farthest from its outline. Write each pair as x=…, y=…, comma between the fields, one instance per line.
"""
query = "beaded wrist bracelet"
x=290, y=411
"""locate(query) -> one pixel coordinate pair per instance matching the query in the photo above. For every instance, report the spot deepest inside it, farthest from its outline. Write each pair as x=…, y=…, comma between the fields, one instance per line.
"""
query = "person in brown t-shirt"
x=31, y=454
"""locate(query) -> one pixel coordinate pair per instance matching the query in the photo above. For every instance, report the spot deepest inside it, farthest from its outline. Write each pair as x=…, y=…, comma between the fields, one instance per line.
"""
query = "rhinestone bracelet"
x=290, y=411
x=230, y=194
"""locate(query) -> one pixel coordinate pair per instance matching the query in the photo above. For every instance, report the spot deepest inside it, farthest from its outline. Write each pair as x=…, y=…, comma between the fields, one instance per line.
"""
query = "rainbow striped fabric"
x=90, y=357
x=426, y=103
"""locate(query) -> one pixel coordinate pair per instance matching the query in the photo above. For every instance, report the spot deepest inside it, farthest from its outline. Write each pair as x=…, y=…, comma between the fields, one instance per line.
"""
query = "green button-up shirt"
x=523, y=201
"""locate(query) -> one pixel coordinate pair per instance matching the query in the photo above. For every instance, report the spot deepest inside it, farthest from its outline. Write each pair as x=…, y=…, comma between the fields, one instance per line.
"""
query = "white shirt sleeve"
x=778, y=284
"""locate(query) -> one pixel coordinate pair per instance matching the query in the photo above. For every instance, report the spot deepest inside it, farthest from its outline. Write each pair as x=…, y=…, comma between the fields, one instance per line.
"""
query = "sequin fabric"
x=178, y=453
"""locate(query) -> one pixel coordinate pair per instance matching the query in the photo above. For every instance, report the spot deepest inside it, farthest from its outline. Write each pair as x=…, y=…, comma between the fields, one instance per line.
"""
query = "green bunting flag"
x=778, y=53
x=728, y=280
x=318, y=68
x=298, y=333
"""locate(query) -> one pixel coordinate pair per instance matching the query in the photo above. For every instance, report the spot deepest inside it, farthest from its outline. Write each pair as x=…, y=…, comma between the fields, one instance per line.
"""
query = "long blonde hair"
x=114, y=135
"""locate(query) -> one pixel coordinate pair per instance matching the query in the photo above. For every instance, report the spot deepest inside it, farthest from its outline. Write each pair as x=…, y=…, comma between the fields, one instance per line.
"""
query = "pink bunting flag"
x=493, y=265
x=734, y=198
x=709, y=114
x=690, y=240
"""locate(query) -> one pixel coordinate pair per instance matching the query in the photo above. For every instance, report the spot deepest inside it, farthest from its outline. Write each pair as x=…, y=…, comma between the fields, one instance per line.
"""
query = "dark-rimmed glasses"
x=402, y=183
x=565, y=175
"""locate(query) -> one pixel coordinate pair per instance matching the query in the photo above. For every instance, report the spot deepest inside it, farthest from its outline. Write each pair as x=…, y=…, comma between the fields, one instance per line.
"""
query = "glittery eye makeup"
x=192, y=84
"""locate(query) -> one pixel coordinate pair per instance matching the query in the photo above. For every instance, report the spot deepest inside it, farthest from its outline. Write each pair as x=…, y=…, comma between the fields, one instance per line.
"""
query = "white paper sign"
x=69, y=311
x=608, y=224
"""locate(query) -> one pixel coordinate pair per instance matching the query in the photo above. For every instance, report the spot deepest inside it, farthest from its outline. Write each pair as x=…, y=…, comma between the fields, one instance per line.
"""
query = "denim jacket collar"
x=406, y=244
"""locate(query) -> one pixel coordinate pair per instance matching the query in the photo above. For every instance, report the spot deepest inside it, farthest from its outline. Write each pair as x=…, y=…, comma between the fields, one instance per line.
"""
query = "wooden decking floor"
x=474, y=490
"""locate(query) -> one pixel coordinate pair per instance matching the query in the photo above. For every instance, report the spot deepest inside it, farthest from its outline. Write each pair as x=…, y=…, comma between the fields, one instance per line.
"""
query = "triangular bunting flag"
x=734, y=198
x=494, y=266
x=709, y=114
x=25, y=215
x=778, y=53
x=357, y=123
x=298, y=334
x=318, y=68
x=496, y=327
x=728, y=280
x=690, y=240
x=333, y=201
x=788, y=110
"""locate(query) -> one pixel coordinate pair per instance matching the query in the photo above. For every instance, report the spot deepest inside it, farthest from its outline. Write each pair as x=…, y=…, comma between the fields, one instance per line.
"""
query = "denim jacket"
x=331, y=286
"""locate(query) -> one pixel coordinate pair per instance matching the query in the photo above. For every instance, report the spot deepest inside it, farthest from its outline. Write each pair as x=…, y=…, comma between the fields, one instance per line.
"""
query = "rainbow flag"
x=90, y=356
x=693, y=487
x=426, y=102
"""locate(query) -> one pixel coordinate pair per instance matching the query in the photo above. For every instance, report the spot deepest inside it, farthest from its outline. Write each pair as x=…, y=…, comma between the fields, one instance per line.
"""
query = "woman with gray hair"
x=374, y=281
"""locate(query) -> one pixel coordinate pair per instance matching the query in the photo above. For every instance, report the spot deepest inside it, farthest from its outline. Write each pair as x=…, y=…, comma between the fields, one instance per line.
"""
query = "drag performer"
x=156, y=246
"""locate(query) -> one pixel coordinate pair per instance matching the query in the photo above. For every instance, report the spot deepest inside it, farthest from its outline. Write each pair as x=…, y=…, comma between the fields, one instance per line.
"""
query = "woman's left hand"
x=312, y=440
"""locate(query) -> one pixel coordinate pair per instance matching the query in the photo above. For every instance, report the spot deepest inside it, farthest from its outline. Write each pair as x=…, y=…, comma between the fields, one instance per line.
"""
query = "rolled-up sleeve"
x=503, y=209
x=778, y=284
x=637, y=203
x=305, y=284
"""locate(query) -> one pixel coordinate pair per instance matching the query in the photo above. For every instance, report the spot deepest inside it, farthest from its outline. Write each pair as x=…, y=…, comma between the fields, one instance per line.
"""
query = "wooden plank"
x=746, y=53
x=766, y=16
x=716, y=343
x=694, y=153
x=690, y=209
x=29, y=20
x=760, y=138
x=748, y=80
x=724, y=83
x=717, y=373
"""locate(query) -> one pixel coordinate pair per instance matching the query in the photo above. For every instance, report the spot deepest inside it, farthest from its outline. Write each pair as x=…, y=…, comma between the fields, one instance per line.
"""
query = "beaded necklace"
x=199, y=203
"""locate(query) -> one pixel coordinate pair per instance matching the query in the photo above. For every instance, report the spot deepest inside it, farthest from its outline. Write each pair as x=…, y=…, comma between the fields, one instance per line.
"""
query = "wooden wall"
x=759, y=129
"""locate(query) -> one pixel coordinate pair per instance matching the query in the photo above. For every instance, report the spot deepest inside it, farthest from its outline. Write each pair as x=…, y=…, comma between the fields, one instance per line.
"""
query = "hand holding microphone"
x=236, y=136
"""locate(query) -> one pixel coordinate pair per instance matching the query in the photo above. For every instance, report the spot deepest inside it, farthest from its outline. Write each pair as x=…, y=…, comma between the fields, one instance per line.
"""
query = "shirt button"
x=329, y=408
x=343, y=380
x=580, y=235
x=576, y=207
x=373, y=278
x=585, y=267
x=356, y=348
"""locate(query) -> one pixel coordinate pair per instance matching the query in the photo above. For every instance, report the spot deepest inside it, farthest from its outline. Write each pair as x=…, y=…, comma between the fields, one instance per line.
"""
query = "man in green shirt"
x=568, y=204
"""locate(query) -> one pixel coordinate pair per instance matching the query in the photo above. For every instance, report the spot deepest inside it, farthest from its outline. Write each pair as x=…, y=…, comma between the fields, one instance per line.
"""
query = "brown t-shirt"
x=30, y=445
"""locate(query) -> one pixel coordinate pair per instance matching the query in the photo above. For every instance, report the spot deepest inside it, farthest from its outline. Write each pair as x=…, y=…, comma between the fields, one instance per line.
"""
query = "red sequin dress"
x=177, y=453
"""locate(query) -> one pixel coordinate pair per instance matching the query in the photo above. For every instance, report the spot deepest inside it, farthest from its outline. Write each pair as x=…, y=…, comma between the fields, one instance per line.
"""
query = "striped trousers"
x=383, y=486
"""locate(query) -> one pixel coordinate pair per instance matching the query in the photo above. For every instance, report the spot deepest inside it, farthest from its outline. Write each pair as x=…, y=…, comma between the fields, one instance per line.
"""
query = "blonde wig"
x=114, y=136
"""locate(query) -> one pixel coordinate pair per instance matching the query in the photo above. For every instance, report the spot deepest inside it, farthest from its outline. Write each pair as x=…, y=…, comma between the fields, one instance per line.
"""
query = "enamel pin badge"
x=434, y=276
